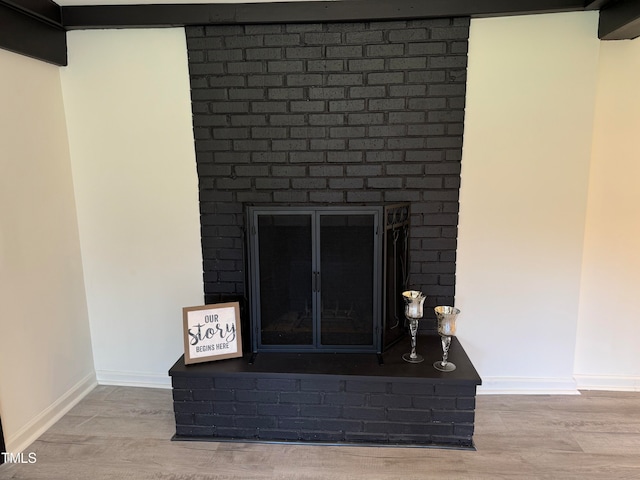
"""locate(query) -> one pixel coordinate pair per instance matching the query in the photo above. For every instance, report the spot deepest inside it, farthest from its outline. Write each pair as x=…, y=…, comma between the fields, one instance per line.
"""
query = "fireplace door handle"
x=316, y=282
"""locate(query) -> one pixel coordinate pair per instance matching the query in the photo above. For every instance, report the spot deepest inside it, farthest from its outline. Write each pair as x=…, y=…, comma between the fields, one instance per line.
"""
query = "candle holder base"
x=407, y=357
x=444, y=367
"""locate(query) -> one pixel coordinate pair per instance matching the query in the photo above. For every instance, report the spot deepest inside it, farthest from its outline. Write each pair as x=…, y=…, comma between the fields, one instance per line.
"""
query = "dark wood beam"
x=44, y=9
x=595, y=4
x=157, y=15
x=33, y=28
x=620, y=20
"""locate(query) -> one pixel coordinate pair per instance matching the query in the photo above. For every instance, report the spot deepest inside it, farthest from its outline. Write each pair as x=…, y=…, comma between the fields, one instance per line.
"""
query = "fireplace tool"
x=446, y=329
x=413, y=301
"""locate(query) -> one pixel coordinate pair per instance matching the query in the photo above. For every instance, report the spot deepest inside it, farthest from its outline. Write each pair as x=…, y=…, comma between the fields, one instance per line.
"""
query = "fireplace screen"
x=316, y=277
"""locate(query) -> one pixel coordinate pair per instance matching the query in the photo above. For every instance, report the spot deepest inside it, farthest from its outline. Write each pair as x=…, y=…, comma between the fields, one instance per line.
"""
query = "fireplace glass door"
x=315, y=278
x=347, y=253
x=285, y=276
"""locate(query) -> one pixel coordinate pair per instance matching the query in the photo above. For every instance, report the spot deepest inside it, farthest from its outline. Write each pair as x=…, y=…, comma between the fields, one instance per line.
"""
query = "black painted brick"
x=235, y=408
x=191, y=382
x=232, y=432
x=284, y=39
x=408, y=428
x=408, y=415
x=463, y=429
x=278, y=410
x=220, y=395
x=451, y=440
x=433, y=402
x=365, y=386
x=302, y=398
x=364, y=413
x=396, y=401
x=466, y=403
x=290, y=197
x=326, y=197
x=271, y=434
x=184, y=418
x=282, y=385
x=321, y=436
x=326, y=119
x=326, y=65
x=453, y=416
x=455, y=390
x=194, y=431
x=346, y=105
x=322, y=386
x=291, y=423
x=303, y=52
x=340, y=424
x=182, y=395
x=286, y=65
x=364, y=197
x=256, y=396
x=344, y=51
x=345, y=79
x=193, y=407
x=350, y=399
x=366, y=144
x=320, y=411
x=362, y=437
x=346, y=183
x=256, y=422
x=414, y=388
x=217, y=420
x=309, y=183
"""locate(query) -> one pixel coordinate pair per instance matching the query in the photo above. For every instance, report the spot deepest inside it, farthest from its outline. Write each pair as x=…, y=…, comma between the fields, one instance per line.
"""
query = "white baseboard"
x=617, y=383
x=527, y=386
x=133, y=379
x=54, y=412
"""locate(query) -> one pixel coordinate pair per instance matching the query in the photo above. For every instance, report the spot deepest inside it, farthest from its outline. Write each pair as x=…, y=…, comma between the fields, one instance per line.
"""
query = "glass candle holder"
x=446, y=329
x=413, y=310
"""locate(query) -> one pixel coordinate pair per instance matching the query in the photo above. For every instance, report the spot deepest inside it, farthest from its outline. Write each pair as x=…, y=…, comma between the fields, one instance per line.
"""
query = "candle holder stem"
x=413, y=357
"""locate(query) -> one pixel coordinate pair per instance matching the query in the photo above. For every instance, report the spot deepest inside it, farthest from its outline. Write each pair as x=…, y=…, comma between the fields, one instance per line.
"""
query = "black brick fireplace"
x=329, y=115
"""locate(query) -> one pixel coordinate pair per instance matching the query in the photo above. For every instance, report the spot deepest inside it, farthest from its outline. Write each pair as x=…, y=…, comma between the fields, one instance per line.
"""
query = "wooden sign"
x=212, y=332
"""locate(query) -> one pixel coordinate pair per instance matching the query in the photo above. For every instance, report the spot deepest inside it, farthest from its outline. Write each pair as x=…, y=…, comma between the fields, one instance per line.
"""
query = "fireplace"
x=303, y=131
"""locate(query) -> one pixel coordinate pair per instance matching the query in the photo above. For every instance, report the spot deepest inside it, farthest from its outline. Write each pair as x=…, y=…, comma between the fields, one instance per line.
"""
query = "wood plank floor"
x=124, y=432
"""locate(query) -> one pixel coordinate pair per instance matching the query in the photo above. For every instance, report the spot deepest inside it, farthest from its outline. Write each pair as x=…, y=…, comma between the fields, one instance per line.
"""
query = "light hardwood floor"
x=124, y=433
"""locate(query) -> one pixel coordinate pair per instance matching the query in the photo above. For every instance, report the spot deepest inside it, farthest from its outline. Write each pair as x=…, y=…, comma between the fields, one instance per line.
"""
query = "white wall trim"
x=527, y=386
x=618, y=383
x=50, y=415
x=133, y=379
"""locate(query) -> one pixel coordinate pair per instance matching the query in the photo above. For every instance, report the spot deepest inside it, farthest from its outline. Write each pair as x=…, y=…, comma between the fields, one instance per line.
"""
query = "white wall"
x=530, y=102
x=126, y=95
x=607, y=353
x=45, y=348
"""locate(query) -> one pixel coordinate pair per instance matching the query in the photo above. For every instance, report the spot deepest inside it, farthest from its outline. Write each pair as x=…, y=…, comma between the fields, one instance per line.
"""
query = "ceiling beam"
x=165, y=15
x=620, y=20
x=33, y=28
x=595, y=4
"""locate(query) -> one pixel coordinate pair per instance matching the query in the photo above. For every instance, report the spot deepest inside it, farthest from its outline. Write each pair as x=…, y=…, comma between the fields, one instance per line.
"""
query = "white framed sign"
x=212, y=332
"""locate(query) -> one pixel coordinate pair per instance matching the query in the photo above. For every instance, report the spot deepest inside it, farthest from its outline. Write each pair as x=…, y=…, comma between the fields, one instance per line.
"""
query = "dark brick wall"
x=340, y=113
x=329, y=409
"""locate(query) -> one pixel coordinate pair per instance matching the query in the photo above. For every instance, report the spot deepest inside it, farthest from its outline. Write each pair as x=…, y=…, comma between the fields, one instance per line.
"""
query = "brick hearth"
x=329, y=398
